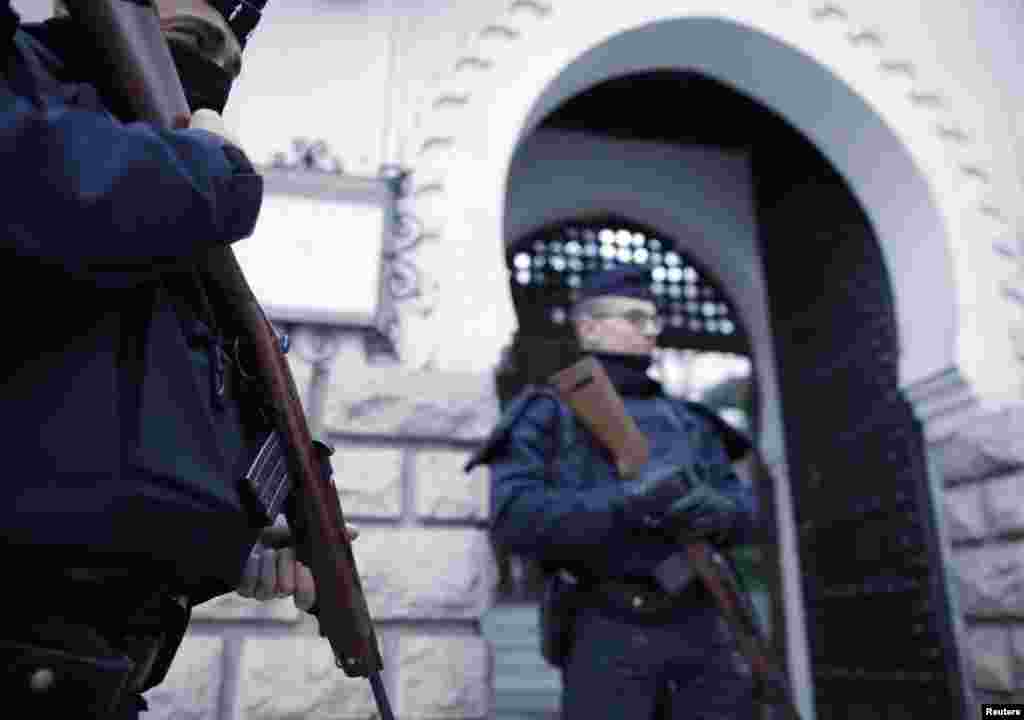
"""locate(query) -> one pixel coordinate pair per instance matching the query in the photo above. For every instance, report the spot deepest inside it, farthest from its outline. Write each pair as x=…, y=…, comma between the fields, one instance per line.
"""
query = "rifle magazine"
x=268, y=477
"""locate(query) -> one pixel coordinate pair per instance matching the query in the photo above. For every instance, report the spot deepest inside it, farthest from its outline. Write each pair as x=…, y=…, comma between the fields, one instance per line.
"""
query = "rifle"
x=585, y=387
x=129, y=34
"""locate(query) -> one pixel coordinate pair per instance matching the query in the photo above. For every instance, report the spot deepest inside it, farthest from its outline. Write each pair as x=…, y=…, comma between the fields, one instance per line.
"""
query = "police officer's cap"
x=242, y=15
x=625, y=281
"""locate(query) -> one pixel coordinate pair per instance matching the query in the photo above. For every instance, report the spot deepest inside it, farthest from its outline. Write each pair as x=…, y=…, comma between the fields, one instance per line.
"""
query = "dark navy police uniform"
x=127, y=422
x=637, y=652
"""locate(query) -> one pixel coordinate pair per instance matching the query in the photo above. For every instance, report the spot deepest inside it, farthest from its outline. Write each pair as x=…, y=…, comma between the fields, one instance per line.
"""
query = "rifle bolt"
x=638, y=601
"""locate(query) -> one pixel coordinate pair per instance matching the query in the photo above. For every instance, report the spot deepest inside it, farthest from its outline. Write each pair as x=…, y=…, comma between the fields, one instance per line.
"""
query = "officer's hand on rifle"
x=273, y=572
x=645, y=500
x=702, y=513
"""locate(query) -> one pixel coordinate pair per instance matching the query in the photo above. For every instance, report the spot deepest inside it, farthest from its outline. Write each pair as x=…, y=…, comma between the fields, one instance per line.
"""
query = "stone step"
x=526, y=677
x=525, y=704
x=525, y=687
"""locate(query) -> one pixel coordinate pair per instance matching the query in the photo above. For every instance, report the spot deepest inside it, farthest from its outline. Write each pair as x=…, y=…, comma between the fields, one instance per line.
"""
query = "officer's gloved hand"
x=645, y=499
x=702, y=513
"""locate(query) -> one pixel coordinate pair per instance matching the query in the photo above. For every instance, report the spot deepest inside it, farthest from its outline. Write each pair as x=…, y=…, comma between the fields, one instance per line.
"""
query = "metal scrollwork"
x=313, y=155
x=403, y=279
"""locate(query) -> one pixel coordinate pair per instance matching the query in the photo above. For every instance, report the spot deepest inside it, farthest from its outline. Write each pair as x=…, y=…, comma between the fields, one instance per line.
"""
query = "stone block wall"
x=423, y=553
x=983, y=468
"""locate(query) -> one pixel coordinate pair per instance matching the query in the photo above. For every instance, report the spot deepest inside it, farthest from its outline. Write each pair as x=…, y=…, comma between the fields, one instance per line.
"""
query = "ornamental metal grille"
x=548, y=266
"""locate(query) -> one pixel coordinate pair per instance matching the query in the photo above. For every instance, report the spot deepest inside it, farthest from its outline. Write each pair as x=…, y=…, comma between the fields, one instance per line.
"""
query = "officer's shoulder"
x=736, y=443
x=536, y=405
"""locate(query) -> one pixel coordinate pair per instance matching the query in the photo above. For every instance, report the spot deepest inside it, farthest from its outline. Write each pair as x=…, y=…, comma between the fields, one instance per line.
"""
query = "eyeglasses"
x=640, y=319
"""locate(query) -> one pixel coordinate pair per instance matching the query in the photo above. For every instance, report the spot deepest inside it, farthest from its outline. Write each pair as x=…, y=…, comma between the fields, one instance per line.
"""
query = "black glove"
x=646, y=499
x=703, y=512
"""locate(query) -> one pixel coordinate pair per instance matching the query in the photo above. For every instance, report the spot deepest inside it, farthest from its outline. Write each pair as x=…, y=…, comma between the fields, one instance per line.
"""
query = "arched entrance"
x=810, y=278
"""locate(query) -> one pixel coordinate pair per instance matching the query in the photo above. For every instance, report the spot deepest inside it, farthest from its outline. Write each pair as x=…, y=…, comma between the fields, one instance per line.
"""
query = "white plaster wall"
x=320, y=70
x=346, y=72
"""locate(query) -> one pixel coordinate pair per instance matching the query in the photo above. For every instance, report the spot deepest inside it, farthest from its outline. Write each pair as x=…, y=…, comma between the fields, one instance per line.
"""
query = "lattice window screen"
x=549, y=265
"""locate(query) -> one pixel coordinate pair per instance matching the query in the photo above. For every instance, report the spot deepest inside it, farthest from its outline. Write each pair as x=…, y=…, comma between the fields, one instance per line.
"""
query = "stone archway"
x=812, y=63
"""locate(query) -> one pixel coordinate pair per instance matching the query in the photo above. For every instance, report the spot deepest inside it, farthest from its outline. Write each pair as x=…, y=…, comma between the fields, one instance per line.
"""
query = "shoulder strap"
x=499, y=435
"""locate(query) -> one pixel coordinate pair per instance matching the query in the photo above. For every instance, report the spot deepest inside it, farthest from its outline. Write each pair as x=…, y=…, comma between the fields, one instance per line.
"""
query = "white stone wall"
x=425, y=560
x=983, y=465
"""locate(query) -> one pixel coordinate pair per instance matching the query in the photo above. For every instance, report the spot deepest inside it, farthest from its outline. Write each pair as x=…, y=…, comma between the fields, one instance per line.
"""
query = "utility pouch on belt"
x=268, y=478
x=557, y=617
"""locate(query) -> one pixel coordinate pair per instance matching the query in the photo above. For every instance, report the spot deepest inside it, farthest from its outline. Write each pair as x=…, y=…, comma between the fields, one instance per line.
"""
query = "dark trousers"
x=684, y=670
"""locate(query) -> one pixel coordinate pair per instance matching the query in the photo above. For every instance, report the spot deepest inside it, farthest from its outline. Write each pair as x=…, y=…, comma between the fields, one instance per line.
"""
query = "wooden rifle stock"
x=128, y=32
x=586, y=388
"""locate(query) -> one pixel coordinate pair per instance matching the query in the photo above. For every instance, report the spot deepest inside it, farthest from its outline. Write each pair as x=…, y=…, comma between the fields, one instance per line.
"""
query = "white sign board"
x=316, y=252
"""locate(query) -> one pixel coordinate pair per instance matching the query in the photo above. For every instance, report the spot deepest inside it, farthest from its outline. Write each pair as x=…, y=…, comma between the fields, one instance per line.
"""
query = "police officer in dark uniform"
x=128, y=422
x=638, y=651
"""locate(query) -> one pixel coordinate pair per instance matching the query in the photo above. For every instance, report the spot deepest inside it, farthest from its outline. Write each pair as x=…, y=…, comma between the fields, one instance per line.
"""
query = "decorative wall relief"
x=308, y=154
x=406, y=281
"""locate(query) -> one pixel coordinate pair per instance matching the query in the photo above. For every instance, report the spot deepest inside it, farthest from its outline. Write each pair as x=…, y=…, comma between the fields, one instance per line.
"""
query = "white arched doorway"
x=901, y=157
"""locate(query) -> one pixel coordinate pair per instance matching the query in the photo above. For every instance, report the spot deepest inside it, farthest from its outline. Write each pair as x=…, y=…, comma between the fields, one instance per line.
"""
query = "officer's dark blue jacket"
x=553, y=485
x=113, y=450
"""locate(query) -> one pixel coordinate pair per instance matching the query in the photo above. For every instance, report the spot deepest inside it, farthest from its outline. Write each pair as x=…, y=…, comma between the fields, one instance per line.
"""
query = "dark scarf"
x=628, y=374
